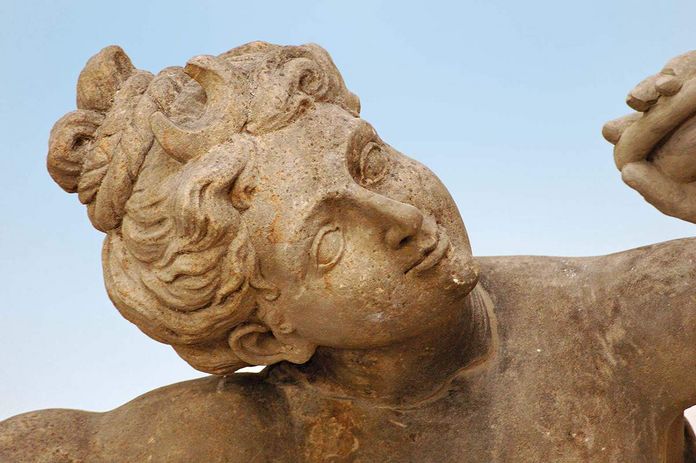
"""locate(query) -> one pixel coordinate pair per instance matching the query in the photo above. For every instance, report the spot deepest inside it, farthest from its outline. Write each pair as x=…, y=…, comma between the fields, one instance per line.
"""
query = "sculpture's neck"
x=409, y=373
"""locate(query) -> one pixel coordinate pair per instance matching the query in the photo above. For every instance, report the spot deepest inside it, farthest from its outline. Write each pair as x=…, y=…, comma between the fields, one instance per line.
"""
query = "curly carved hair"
x=165, y=166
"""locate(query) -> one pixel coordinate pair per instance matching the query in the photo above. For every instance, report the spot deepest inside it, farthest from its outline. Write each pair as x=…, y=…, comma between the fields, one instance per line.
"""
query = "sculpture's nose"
x=406, y=221
x=402, y=221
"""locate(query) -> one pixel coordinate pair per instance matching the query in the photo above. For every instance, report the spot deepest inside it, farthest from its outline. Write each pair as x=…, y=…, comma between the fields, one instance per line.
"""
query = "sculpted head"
x=251, y=215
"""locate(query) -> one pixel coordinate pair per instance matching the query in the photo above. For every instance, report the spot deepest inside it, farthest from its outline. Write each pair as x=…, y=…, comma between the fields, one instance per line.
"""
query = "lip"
x=433, y=254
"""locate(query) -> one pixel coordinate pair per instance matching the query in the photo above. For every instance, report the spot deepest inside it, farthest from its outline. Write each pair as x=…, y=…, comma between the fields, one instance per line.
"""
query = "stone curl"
x=165, y=166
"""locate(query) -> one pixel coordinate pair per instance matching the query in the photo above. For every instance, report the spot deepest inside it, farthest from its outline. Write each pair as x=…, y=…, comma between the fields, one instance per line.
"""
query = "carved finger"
x=682, y=66
x=644, y=95
x=675, y=73
x=639, y=139
x=669, y=197
x=668, y=85
x=612, y=130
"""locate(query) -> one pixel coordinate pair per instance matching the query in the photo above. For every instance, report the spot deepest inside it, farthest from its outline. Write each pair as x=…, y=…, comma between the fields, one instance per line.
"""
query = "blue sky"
x=504, y=100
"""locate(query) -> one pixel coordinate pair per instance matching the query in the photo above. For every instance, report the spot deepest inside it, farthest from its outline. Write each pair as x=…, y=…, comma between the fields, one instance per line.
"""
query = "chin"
x=458, y=272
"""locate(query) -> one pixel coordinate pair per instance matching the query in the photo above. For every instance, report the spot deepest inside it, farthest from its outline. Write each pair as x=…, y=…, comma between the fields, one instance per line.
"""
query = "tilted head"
x=251, y=215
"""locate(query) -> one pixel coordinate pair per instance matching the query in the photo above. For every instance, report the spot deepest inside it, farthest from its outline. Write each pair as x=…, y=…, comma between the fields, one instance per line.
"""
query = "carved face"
x=365, y=244
x=256, y=158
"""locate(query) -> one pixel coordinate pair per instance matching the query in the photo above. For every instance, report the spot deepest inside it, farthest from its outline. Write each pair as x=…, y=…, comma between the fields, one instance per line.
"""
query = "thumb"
x=669, y=197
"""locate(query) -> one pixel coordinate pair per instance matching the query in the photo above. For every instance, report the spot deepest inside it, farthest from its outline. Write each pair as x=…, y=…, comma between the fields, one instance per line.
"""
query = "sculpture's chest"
x=477, y=428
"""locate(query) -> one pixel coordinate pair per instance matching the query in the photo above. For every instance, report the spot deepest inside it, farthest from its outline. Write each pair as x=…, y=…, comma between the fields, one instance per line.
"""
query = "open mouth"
x=433, y=254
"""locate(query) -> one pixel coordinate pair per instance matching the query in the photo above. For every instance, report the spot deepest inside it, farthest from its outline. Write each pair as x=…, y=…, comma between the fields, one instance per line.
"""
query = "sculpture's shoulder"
x=231, y=418
x=629, y=298
x=671, y=263
x=214, y=419
x=523, y=274
x=47, y=436
x=518, y=282
x=586, y=297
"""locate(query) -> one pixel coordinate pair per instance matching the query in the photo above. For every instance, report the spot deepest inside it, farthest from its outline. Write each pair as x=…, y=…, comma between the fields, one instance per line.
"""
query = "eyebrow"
x=321, y=203
x=360, y=129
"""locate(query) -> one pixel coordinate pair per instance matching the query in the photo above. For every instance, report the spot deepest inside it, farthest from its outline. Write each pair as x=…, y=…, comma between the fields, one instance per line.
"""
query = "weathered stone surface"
x=252, y=218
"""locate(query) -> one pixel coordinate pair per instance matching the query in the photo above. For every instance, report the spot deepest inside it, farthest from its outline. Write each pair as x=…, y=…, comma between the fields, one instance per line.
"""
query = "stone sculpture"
x=252, y=218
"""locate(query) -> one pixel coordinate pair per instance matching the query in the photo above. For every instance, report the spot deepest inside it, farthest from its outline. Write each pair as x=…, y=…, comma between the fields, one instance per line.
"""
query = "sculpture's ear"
x=256, y=344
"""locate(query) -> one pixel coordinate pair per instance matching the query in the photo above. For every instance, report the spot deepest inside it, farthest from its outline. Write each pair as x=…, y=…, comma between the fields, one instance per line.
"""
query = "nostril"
x=398, y=236
x=401, y=221
x=404, y=241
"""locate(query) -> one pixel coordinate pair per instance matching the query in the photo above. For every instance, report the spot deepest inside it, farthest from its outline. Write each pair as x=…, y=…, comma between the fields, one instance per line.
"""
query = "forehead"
x=299, y=166
x=308, y=157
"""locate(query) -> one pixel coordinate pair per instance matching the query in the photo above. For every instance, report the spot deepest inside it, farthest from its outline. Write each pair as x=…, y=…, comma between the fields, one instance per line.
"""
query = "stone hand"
x=655, y=147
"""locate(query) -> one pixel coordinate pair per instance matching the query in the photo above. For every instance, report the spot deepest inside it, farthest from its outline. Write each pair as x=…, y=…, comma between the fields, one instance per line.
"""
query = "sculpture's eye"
x=328, y=246
x=373, y=164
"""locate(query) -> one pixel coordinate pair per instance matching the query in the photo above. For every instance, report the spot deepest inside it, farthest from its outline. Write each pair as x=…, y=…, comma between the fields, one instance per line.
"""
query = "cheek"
x=367, y=301
x=439, y=203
